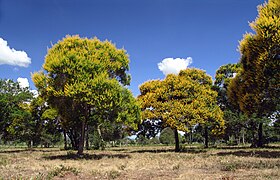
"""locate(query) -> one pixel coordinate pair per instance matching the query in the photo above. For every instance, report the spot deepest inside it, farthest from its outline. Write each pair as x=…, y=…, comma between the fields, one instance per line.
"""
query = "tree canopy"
x=256, y=88
x=13, y=114
x=84, y=80
x=182, y=101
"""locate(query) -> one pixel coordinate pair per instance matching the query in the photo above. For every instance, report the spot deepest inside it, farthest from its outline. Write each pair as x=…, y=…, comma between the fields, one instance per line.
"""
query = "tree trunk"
x=206, y=136
x=100, y=137
x=260, y=135
x=191, y=137
x=82, y=139
x=87, y=138
x=176, y=136
x=65, y=139
x=29, y=144
x=73, y=140
x=243, y=137
x=82, y=135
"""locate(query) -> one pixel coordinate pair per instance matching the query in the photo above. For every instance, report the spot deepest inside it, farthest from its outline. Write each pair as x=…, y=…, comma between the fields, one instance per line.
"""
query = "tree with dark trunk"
x=176, y=136
x=86, y=77
x=206, y=137
x=182, y=101
x=256, y=88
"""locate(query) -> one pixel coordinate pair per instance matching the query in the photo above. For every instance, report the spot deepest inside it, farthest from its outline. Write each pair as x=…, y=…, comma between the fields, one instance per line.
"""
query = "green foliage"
x=234, y=118
x=112, y=131
x=14, y=114
x=84, y=82
x=223, y=77
x=167, y=136
x=22, y=116
x=142, y=140
x=149, y=128
x=154, y=140
x=97, y=141
x=45, y=126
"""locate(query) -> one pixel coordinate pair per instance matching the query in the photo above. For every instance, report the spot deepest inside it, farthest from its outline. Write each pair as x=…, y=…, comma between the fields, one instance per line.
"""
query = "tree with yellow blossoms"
x=256, y=88
x=85, y=79
x=181, y=102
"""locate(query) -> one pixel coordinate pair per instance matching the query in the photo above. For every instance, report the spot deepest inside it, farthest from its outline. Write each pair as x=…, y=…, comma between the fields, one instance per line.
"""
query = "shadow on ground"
x=246, y=147
x=184, y=150
x=86, y=156
x=256, y=153
x=118, y=150
x=28, y=150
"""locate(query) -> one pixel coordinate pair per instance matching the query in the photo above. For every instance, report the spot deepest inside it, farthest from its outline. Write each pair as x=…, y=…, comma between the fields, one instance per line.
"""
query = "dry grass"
x=141, y=163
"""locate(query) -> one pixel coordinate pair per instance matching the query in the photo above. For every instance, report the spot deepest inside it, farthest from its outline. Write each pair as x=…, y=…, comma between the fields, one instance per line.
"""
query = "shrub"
x=167, y=136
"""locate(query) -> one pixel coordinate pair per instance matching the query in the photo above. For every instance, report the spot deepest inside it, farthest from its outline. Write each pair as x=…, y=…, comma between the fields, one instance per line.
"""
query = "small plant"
x=176, y=167
x=39, y=176
x=122, y=167
x=61, y=170
x=3, y=161
x=229, y=167
x=95, y=172
x=113, y=174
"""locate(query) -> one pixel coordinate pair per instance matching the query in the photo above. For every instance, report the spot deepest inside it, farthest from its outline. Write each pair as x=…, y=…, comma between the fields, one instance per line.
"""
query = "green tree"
x=256, y=88
x=51, y=130
x=234, y=118
x=167, y=136
x=85, y=81
x=14, y=114
x=150, y=128
x=182, y=101
x=223, y=77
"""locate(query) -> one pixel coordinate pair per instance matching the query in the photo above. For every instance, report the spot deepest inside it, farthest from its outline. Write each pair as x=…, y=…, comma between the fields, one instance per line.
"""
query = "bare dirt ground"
x=159, y=162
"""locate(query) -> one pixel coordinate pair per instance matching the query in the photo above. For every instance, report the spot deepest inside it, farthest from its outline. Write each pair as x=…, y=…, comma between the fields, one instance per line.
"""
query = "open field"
x=158, y=162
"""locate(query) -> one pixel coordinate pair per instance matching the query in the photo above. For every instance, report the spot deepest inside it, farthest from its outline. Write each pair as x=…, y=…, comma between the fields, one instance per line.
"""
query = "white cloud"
x=23, y=82
x=11, y=56
x=174, y=66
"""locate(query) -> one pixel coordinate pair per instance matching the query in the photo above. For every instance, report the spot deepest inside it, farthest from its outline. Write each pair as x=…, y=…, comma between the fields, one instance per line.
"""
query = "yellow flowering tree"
x=84, y=79
x=256, y=88
x=182, y=101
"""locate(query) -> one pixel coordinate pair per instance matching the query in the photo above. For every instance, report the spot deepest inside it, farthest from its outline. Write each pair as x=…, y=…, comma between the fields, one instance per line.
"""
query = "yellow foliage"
x=182, y=101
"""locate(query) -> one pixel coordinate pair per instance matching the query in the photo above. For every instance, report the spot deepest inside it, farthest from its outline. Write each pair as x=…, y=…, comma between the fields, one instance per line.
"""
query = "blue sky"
x=150, y=30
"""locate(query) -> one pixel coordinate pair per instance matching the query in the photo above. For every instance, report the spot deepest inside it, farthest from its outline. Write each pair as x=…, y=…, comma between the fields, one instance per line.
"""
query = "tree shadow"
x=252, y=153
x=183, y=150
x=118, y=150
x=28, y=150
x=233, y=147
x=194, y=150
x=246, y=147
x=86, y=156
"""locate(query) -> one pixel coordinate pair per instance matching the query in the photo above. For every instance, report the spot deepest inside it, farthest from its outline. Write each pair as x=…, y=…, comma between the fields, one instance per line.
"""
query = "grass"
x=158, y=162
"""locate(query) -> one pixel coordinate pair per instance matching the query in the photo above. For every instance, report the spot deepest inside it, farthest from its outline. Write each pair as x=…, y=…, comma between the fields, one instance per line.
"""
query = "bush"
x=167, y=136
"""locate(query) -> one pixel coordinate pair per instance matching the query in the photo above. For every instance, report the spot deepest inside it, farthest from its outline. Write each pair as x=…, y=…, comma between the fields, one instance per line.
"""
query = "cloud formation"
x=11, y=56
x=174, y=66
x=23, y=82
